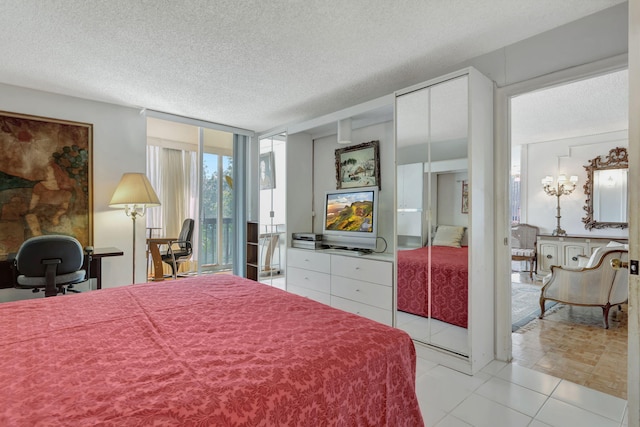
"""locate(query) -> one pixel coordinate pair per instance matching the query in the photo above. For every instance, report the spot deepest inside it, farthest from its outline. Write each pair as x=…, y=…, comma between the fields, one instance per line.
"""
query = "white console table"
x=361, y=285
x=565, y=250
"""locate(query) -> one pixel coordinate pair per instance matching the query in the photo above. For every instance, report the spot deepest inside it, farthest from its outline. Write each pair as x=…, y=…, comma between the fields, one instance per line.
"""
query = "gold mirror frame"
x=617, y=159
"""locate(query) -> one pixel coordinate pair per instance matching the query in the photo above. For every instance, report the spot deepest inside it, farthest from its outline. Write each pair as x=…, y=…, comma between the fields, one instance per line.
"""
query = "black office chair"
x=180, y=250
x=53, y=263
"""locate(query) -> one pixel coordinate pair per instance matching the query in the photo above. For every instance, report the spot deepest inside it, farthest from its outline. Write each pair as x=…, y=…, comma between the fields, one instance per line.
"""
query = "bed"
x=211, y=350
x=449, y=283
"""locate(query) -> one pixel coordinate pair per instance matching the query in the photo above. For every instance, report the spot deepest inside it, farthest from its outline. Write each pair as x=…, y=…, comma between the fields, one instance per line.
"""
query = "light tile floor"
x=509, y=395
x=571, y=343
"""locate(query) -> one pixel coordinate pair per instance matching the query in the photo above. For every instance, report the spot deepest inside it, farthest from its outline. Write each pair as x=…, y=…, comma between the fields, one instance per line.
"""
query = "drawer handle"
x=575, y=258
x=549, y=257
x=357, y=268
x=357, y=290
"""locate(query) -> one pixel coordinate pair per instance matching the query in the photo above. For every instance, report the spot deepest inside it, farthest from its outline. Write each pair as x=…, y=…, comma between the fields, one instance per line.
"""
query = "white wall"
x=595, y=37
x=450, y=199
x=119, y=145
x=324, y=175
x=567, y=157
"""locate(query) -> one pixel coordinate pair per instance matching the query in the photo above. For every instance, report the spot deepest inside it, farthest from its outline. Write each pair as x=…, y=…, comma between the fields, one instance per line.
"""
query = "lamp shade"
x=134, y=189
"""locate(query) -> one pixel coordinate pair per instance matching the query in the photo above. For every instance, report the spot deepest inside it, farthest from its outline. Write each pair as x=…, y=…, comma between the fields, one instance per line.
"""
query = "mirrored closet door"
x=272, y=223
x=436, y=254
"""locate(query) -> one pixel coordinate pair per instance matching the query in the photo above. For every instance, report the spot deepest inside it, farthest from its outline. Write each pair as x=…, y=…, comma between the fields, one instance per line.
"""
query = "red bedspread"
x=208, y=351
x=449, y=283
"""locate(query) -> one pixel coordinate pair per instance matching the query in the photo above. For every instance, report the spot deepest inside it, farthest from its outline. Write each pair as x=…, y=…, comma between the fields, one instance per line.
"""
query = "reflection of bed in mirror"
x=449, y=279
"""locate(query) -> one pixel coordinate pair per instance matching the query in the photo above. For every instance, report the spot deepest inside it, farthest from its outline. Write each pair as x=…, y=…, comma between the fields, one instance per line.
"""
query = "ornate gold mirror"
x=606, y=191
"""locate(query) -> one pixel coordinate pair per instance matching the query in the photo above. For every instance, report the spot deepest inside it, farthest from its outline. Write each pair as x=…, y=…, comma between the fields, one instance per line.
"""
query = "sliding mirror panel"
x=272, y=225
x=437, y=217
x=432, y=215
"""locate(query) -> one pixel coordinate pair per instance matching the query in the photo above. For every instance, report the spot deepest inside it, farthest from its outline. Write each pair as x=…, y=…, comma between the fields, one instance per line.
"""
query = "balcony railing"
x=209, y=239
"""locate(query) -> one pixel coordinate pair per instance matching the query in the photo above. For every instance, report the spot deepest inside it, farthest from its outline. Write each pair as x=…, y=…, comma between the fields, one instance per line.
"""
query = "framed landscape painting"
x=45, y=179
x=358, y=166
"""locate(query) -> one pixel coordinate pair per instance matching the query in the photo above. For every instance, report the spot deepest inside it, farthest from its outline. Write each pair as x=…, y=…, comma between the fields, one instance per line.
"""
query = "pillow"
x=448, y=235
x=597, y=254
x=613, y=244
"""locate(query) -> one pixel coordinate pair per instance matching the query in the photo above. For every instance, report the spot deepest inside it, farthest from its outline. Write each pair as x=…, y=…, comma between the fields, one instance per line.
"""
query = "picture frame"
x=46, y=179
x=267, y=175
x=465, y=197
x=358, y=166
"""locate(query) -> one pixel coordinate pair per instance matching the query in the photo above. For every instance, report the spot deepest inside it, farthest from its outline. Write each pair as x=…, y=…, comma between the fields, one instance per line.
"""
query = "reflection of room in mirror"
x=610, y=195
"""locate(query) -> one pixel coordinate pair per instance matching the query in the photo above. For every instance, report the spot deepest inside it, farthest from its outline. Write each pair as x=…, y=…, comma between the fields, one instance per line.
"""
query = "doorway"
x=557, y=124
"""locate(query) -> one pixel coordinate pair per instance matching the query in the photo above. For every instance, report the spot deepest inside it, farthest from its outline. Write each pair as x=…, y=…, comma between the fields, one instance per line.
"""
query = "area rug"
x=525, y=304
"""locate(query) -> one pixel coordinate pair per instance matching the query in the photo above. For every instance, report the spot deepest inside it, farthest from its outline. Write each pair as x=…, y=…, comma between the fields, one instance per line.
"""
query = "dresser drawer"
x=368, y=311
x=364, y=292
x=310, y=260
x=309, y=279
x=311, y=294
x=368, y=270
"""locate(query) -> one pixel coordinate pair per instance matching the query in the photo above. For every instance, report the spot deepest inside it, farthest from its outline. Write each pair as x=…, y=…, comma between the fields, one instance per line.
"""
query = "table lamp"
x=135, y=194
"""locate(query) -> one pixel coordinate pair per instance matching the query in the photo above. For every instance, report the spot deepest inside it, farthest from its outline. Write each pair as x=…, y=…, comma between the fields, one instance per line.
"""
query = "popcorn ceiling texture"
x=256, y=64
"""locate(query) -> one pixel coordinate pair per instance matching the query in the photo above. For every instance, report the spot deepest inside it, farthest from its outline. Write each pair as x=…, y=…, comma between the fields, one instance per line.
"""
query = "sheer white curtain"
x=173, y=173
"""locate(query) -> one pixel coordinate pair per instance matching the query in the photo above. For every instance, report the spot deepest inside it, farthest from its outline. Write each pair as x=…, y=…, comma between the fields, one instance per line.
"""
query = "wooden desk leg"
x=95, y=272
x=98, y=267
x=157, y=262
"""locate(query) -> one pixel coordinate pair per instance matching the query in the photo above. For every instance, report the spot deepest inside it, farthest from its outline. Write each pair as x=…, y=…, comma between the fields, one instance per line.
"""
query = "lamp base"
x=559, y=232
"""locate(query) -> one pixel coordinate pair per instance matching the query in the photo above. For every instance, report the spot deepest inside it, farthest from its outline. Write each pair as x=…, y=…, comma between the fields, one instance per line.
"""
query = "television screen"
x=351, y=218
x=350, y=211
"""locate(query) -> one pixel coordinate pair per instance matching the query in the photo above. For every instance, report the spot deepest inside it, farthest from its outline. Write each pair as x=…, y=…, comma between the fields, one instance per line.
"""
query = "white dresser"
x=565, y=250
x=361, y=285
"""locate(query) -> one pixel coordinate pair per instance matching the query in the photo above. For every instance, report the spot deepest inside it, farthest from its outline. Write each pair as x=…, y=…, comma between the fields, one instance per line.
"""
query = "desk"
x=96, y=262
x=8, y=273
x=154, y=247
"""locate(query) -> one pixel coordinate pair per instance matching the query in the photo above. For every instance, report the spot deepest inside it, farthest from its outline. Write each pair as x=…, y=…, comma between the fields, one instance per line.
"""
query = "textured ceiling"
x=586, y=107
x=256, y=64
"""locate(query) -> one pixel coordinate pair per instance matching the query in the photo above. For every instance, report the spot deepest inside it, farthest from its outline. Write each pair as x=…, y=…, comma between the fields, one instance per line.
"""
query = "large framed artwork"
x=358, y=166
x=45, y=179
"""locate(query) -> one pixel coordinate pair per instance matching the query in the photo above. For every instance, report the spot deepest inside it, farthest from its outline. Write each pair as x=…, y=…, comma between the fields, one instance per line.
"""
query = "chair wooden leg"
x=542, y=300
x=605, y=313
x=531, y=269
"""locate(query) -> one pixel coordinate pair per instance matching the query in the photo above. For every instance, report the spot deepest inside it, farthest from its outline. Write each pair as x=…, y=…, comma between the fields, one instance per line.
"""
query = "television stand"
x=347, y=251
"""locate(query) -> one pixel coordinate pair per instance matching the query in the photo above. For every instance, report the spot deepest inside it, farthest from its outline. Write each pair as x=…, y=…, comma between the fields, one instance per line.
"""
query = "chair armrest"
x=186, y=243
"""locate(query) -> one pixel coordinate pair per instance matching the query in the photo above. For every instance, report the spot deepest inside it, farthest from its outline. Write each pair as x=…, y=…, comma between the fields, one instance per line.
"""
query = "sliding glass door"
x=216, y=213
x=191, y=169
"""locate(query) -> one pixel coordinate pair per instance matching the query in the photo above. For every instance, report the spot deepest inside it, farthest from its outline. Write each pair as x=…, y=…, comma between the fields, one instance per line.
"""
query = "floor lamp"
x=134, y=194
x=563, y=187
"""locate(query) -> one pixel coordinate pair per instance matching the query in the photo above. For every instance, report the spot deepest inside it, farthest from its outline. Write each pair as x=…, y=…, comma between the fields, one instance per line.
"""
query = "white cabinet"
x=565, y=251
x=410, y=180
x=359, y=285
x=409, y=191
x=309, y=274
x=424, y=117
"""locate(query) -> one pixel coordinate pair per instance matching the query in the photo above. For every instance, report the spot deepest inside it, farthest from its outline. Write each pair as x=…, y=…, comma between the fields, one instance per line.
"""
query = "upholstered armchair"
x=597, y=284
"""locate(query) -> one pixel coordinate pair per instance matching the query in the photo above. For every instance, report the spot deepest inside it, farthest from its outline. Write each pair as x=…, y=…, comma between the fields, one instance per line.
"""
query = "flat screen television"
x=351, y=218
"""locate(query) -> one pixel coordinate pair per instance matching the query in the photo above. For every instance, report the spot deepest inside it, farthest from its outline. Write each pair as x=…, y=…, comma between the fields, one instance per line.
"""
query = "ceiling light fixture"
x=344, y=131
